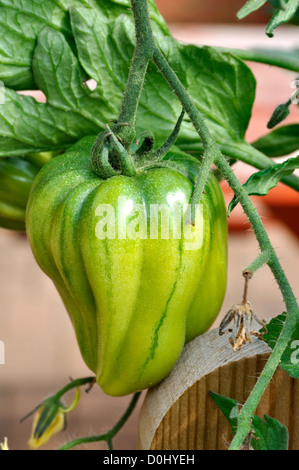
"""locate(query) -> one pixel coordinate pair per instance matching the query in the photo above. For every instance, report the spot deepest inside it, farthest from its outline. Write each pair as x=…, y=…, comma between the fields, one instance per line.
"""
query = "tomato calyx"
x=110, y=157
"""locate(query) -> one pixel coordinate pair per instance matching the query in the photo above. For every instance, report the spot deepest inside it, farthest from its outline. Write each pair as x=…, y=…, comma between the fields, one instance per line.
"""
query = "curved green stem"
x=263, y=258
x=160, y=153
x=108, y=436
x=100, y=157
x=245, y=416
x=165, y=164
x=142, y=54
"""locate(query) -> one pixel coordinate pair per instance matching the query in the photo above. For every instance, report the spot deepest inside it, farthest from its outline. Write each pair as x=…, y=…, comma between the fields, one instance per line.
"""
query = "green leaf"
x=105, y=46
x=268, y=434
x=105, y=49
x=72, y=109
x=250, y=7
x=216, y=83
x=285, y=13
x=59, y=75
x=20, y=23
x=274, y=328
x=27, y=126
x=260, y=183
x=30, y=127
x=282, y=16
x=229, y=407
x=290, y=358
x=282, y=141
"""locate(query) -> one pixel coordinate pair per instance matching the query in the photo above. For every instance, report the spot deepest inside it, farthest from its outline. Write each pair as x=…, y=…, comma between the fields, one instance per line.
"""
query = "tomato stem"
x=142, y=55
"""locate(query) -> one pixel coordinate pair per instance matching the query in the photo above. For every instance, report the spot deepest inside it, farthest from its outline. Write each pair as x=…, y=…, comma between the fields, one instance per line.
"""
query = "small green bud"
x=280, y=114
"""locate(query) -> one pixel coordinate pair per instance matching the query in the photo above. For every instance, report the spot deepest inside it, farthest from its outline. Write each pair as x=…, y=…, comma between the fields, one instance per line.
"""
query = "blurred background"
x=40, y=349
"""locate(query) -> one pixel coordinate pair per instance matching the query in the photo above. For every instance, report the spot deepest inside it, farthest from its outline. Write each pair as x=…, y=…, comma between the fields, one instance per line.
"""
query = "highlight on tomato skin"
x=134, y=300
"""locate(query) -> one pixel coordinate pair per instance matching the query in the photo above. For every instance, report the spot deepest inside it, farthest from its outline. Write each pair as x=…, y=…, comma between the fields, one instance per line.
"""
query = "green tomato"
x=135, y=292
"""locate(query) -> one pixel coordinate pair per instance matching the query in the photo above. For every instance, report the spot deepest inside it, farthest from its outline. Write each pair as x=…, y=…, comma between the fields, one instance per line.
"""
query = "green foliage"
x=260, y=183
x=290, y=357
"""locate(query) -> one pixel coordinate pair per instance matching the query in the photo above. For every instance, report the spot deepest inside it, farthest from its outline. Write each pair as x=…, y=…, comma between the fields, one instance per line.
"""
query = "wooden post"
x=179, y=414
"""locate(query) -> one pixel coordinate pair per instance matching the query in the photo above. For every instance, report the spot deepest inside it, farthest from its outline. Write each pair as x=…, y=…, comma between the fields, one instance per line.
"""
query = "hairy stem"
x=142, y=54
x=108, y=436
x=262, y=259
x=74, y=384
